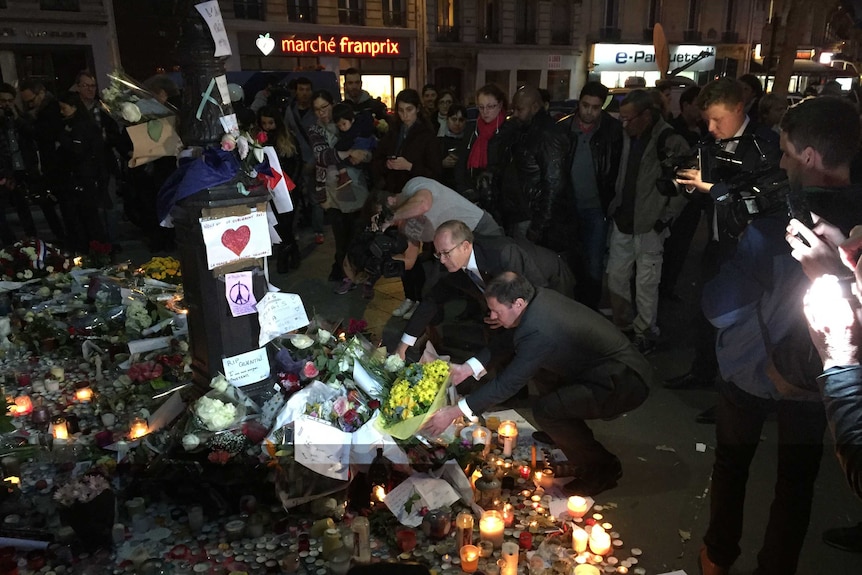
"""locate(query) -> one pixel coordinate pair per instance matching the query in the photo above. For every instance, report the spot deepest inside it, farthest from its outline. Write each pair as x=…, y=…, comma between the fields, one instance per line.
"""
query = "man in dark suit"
x=585, y=367
x=469, y=263
x=751, y=147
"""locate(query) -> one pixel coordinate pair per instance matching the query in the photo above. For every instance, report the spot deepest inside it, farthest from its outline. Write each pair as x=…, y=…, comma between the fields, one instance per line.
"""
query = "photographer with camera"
x=763, y=343
x=17, y=159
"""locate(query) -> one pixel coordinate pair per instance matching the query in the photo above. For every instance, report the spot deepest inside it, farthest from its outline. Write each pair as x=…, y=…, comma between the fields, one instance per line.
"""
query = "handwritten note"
x=246, y=368
x=239, y=293
x=279, y=313
x=233, y=238
x=433, y=493
x=322, y=448
x=212, y=16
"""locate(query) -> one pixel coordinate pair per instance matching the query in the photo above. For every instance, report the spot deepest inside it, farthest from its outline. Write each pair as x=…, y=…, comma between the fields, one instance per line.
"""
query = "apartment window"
x=249, y=9
x=693, y=16
x=351, y=12
x=612, y=14
x=447, y=20
x=302, y=11
x=489, y=20
x=730, y=15
x=59, y=5
x=561, y=22
x=525, y=22
x=653, y=13
x=394, y=13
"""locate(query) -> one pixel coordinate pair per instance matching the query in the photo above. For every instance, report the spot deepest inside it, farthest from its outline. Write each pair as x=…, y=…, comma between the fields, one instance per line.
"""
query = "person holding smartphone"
x=450, y=141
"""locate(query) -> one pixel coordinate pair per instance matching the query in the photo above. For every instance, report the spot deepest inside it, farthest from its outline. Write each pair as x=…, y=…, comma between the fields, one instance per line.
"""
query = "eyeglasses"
x=446, y=101
x=624, y=120
x=445, y=254
x=488, y=107
x=86, y=85
x=321, y=108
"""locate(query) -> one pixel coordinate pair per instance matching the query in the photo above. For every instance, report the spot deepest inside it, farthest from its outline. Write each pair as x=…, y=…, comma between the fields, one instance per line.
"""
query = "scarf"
x=479, y=152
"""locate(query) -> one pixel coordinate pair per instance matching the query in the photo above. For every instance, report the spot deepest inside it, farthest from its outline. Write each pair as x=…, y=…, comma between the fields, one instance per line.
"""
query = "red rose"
x=351, y=417
x=310, y=371
x=260, y=137
x=373, y=404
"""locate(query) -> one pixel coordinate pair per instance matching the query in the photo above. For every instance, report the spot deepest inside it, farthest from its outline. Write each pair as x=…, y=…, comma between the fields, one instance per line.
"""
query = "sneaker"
x=643, y=343
x=409, y=313
x=346, y=286
x=343, y=181
x=368, y=290
x=403, y=308
x=318, y=239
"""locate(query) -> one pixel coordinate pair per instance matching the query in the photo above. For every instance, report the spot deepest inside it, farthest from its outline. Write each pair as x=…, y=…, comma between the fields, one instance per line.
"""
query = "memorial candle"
x=508, y=514
x=577, y=506
x=510, y=558
x=138, y=429
x=59, y=429
x=23, y=406
x=491, y=527
x=84, y=394
x=580, y=539
x=469, y=558
x=600, y=541
x=507, y=434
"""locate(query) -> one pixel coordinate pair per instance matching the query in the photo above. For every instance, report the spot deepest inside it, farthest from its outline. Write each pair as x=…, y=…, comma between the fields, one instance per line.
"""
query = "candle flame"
x=378, y=493
x=13, y=480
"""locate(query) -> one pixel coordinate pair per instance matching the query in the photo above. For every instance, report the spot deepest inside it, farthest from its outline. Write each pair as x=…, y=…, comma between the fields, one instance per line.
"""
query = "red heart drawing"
x=236, y=240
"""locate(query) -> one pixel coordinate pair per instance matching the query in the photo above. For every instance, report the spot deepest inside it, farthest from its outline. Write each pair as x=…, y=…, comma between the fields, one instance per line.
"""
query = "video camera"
x=372, y=252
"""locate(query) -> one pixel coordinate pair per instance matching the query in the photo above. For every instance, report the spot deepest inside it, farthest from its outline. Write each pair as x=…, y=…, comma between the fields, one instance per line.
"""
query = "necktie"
x=476, y=279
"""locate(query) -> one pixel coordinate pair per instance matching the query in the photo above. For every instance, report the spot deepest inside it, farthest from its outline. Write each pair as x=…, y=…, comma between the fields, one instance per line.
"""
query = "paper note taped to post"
x=279, y=313
x=233, y=238
x=246, y=368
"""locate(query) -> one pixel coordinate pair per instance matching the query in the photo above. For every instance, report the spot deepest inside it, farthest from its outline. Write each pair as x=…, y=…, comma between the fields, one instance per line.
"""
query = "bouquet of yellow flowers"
x=163, y=269
x=418, y=391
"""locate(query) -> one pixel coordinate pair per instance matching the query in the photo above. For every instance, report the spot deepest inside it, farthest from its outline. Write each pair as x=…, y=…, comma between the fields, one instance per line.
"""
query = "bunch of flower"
x=145, y=371
x=248, y=146
x=215, y=414
x=99, y=255
x=165, y=269
x=129, y=103
x=348, y=412
x=413, y=391
x=138, y=317
x=30, y=259
x=40, y=326
x=81, y=490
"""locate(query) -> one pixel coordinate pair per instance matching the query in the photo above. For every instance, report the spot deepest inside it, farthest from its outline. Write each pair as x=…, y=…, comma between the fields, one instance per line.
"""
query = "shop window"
x=302, y=11
x=60, y=5
x=394, y=13
x=489, y=21
x=525, y=22
x=447, y=21
x=561, y=22
x=249, y=9
x=351, y=12
x=528, y=78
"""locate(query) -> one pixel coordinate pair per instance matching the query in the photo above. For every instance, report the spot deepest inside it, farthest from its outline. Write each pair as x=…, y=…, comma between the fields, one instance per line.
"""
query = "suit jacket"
x=567, y=339
x=494, y=256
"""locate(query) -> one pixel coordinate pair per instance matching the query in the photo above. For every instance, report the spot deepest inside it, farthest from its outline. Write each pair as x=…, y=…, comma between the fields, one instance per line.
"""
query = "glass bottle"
x=464, y=525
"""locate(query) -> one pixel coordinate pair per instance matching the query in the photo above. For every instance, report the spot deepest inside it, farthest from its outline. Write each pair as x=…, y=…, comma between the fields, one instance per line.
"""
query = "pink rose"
x=310, y=371
x=340, y=406
x=228, y=143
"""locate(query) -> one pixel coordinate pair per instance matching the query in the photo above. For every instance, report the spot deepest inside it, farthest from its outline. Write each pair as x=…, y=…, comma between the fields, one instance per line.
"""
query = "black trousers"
x=739, y=423
x=564, y=404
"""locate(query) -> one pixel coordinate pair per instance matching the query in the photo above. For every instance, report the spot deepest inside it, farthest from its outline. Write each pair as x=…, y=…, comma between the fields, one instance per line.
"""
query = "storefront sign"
x=641, y=57
x=344, y=46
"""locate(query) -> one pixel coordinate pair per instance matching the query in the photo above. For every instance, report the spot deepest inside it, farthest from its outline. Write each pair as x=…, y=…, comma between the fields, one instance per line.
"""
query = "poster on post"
x=230, y=239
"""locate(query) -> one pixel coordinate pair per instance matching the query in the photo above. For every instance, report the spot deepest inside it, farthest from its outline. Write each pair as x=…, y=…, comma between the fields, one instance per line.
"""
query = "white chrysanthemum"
x=130, y=112
x=191, y=441
x=301, y=341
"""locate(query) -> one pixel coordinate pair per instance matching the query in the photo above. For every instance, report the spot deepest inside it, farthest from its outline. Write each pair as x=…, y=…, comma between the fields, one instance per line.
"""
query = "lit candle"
x=84, y=394
x=524, y=471
x=469, y=558
x=23, y=406
x=464, y=526
x=577, y=506
x=600, y=541
x=482, y=435
x=508, y=514
x=59, y=429
x=587, y=570
x=508, y=436
x=580, y=539
x=510, y=558
x=58, y=373
x=139, y=428
x=547, y=479
x=491, y=527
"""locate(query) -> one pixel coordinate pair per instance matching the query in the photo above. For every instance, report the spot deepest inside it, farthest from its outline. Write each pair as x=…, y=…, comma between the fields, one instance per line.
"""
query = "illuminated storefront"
x=612, y=64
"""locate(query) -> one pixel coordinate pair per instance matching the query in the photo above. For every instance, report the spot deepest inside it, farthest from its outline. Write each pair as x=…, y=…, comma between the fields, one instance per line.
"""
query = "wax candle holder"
x=491, y=527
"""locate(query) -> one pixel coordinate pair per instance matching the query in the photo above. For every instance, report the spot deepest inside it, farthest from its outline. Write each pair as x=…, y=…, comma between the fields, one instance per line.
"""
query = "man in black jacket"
x=592, y=164
x=536, y=208
x=17, y=158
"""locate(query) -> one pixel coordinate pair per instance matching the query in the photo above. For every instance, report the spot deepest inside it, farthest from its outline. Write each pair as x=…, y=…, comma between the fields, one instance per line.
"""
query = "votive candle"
x=600, y=541
x=469, y=558
x=580, y=539
x=491, y=527
x=510, y=558
x=577, y=506
x=508, y=436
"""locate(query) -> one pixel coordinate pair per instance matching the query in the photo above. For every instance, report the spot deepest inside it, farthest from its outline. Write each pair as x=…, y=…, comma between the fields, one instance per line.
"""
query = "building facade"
x=52, y=40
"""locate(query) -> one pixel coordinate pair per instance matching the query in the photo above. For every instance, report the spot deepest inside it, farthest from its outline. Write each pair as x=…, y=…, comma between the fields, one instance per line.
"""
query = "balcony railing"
x=448, y=34
x=561, y=37
x=249, y=9
x=489, y=35
x=525, y=36
x=355, y=16
x=60, y=5
x=395, y=18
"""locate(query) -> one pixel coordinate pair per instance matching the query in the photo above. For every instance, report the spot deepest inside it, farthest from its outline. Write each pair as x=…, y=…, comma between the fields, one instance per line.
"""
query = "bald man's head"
x=526, y=103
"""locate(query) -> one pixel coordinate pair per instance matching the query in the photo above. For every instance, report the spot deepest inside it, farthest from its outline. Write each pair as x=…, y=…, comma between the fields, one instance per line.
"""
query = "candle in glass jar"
x=586, y=569
x=483, y=435
x=507, y=434
x=524, y=471
x=510, y=558
x=469, y=558
x=577, y=506
x=464, y=526
x=580, y=539
x=59, y=429
x=491, y=527
x=138, y=429
x=23, y=406
x=508, y=514
x=84, y=394
x=547, y=478
x=58, y=373
x=600, y=541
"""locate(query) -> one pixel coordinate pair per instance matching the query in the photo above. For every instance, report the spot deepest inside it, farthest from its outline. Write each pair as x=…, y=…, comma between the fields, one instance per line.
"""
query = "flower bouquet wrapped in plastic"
x=418, y=391
x=150, y=123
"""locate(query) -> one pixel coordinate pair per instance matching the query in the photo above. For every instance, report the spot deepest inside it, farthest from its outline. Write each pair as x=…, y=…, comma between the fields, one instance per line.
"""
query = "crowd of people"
x=536, y=223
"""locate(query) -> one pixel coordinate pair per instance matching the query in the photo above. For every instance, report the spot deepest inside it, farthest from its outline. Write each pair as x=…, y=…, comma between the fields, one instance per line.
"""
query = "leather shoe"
x=845, y=538
x=707, y=567
x=598, y=479
x=543, y=437
x=689, y=381
x=706, y=416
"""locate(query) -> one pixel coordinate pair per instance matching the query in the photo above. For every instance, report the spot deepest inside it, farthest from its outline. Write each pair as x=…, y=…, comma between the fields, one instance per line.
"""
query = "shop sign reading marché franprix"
x=641, y=57
x=342, y=46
